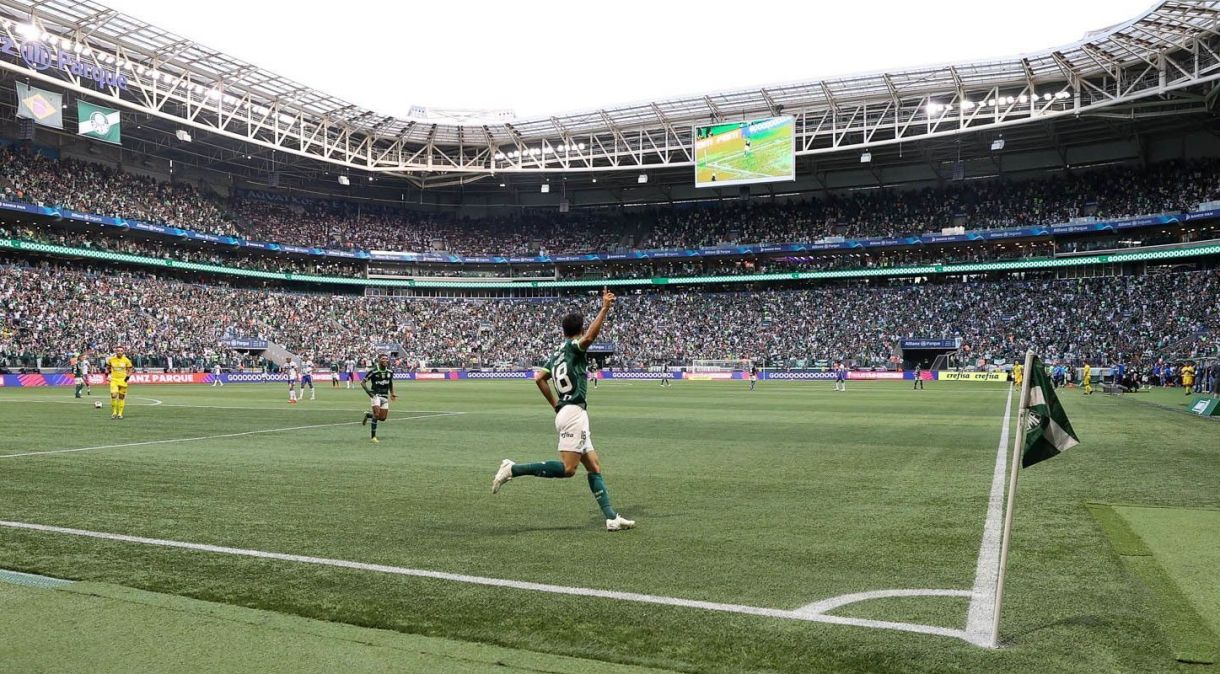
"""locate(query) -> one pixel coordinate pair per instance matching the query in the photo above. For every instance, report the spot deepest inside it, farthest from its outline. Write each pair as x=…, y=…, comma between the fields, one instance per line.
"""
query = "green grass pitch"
x=776, y=499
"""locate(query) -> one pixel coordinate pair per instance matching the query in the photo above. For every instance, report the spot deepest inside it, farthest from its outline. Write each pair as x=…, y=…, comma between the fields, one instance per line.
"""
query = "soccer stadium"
x=916, y=370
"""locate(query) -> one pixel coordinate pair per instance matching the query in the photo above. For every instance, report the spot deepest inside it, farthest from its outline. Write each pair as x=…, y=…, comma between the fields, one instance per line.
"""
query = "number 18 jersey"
x=569, y=366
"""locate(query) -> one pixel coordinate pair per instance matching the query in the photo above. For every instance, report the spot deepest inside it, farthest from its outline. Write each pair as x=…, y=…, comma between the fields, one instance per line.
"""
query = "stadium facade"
x=1088, y=160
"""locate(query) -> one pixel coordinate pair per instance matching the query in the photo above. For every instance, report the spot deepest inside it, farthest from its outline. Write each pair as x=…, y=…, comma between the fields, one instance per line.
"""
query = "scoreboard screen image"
x=739, y=153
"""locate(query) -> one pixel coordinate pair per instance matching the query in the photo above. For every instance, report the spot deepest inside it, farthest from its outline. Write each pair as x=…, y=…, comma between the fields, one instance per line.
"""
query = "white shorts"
x=381, y=401
x=572, y=423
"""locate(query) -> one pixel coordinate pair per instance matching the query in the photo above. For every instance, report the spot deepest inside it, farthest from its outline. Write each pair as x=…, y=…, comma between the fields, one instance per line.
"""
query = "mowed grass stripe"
x=800, y=496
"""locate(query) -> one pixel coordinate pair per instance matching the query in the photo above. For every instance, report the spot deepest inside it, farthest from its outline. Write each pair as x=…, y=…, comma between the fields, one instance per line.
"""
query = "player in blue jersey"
x=565, y=370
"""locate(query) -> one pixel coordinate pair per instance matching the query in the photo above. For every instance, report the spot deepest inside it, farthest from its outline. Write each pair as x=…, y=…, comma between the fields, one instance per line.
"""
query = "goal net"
x=719, y=364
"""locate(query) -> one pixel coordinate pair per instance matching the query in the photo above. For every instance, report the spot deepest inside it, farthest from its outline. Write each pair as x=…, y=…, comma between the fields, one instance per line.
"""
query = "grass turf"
x=117, y=629
x=776, y=498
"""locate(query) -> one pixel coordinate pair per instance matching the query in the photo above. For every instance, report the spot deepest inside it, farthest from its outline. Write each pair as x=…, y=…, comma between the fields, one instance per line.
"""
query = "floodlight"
x=183, y=135
x=866, y=157
x=344, y=180
x=997, y=145
x=642, y=179
x=546, y=187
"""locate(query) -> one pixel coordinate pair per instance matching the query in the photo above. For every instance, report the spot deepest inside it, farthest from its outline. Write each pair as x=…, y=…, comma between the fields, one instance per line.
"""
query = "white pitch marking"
x=982, y=602
x=285, y=408
x=500, y=582
x=213, y=437
x=833, y=603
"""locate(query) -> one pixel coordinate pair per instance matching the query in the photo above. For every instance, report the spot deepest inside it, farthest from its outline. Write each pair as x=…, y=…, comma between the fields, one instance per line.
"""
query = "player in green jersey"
x=378, y=382
x=566, y=371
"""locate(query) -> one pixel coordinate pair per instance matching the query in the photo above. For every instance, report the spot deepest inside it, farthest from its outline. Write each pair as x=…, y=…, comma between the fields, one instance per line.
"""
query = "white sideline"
x=982, y=602
x=160, y=403
x=798, y=614
x=212, y=437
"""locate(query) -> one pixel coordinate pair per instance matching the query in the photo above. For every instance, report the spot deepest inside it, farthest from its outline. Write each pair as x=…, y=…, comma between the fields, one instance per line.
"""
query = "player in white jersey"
x=294, y=378
x=307, y=379
x=349, y=366
x=216, y=374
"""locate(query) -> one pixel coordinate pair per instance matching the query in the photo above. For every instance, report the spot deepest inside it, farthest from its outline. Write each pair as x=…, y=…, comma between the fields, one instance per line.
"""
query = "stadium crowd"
x=52, y=311
x=1110, y=192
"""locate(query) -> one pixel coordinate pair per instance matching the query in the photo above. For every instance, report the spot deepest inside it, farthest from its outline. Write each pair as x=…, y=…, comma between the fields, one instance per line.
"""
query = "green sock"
x=598, y=486
x=78, y=389
x=374, y=428
x=541, y=469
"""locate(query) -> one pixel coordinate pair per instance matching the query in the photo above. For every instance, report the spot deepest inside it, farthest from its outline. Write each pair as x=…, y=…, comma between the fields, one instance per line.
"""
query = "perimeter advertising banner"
x=740, y=153
x=972, y=376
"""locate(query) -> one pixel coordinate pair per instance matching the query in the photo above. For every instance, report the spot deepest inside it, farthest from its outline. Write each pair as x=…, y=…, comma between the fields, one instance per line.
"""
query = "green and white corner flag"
x=97, y=122
x=1047, y=429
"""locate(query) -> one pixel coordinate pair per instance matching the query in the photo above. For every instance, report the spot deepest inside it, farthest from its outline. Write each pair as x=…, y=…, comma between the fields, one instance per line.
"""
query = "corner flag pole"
x=1014, y=470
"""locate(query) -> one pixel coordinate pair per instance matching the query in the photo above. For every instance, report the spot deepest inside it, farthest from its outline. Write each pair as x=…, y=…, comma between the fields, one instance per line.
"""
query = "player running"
x=840, y=377
x=565, y=369
x=307, y=379
x=378, y=382
x=118, y=368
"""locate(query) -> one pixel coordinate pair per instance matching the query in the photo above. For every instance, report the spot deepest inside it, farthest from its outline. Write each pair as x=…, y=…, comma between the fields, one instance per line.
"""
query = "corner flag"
x=1047, y=429
x=1043, y=433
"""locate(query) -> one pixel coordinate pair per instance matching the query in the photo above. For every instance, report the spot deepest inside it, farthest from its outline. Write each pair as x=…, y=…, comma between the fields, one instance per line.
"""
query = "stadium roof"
x=1172, y=47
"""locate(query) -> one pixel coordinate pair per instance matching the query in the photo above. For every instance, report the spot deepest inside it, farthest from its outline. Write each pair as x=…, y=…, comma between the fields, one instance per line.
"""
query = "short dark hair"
x=573, y=325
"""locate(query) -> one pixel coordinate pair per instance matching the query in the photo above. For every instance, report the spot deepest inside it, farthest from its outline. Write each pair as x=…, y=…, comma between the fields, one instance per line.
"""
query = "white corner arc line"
x=500, y=582
x=213, y=437
x=982, y=602
x=832, y=603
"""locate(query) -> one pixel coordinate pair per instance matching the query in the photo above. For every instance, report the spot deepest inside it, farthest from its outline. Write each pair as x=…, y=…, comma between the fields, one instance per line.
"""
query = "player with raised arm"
x=378, y=383
x=565, y=370
x=118, y=368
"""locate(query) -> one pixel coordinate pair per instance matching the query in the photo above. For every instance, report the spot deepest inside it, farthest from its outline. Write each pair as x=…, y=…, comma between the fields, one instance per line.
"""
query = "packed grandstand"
x=55, y=307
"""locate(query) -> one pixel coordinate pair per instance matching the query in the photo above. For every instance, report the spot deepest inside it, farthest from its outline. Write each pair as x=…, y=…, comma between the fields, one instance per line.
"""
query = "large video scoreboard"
x=740, y=153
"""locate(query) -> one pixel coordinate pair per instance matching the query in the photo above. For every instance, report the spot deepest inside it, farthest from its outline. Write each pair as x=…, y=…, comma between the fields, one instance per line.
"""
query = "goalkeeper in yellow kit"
x=118, y=368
